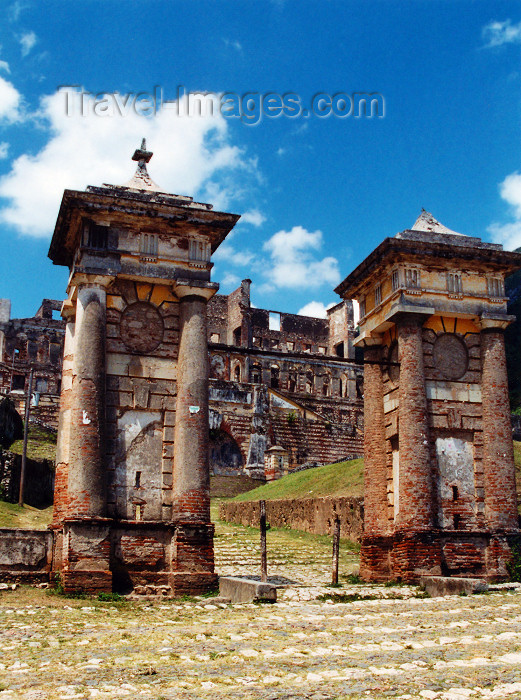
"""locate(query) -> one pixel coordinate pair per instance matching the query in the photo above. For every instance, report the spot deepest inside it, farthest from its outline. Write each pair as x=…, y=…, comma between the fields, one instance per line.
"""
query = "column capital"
x=494, y=322
x=197, y=288
x=82, y=281
x=68, y=310
x=365, y=340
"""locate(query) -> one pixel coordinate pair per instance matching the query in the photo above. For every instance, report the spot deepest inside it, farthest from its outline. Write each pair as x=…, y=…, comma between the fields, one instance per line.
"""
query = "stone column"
x=86, y=477
x=498, y=453
x=375, y=462
x=416, y=507
x=191, y=488
x=64, y=418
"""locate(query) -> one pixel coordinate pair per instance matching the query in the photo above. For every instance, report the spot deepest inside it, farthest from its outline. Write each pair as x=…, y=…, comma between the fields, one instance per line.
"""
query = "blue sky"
x=317, y=194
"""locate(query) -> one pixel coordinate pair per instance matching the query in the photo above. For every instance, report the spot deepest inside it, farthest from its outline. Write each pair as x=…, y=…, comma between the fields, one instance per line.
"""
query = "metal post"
x=26, y=433
x=336, y=550
x=264, y=558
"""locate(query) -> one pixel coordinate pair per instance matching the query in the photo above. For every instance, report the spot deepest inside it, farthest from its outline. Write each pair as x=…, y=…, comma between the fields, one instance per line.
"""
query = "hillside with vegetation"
x=340, y=479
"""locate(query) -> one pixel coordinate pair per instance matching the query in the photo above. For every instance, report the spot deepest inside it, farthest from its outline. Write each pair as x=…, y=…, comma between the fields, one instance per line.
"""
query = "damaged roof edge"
x=509, y=260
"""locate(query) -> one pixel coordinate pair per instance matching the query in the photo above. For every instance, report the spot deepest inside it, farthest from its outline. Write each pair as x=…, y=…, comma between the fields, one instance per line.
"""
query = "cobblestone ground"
x=393, y=645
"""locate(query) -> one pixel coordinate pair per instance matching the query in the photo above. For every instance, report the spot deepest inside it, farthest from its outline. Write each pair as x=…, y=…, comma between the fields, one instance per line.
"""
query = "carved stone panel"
x=141, y=327
x=450, y=356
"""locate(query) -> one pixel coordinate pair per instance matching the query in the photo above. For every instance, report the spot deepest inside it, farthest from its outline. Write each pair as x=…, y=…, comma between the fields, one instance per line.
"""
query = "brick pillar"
x=498, y=453
x=191, y=469
x=86, y=474
x=375, y=463
x=416, y=489
x=63, y=443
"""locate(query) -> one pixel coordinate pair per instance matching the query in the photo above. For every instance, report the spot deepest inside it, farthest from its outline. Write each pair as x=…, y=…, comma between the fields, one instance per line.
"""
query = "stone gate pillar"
x=191, y=469
x=416, y=490
x=498, y=452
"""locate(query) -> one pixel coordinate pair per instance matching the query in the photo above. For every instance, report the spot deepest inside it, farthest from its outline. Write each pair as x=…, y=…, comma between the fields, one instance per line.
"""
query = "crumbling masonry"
x=440, y=493
x=132, y=502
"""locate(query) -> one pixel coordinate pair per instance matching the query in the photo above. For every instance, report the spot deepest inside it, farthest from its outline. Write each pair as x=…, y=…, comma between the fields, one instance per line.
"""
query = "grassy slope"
x=341, y=479
x=41, y=443
x=27, y=518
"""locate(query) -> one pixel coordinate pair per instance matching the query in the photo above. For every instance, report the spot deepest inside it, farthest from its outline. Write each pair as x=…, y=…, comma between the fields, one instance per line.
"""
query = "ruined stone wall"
x=35, y=342
x=314, y=515
x=38, y=481
x=25, y=555
x=314, y=441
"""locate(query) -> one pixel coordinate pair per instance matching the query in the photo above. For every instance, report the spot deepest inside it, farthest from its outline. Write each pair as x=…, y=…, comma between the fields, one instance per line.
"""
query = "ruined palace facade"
x=284, y=381
x=37, y=343
x=440, y=493
x=132, y=501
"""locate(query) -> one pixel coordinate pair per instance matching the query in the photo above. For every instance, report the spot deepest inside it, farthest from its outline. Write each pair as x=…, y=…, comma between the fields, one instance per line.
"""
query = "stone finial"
x=141, y=179
x=141, y=154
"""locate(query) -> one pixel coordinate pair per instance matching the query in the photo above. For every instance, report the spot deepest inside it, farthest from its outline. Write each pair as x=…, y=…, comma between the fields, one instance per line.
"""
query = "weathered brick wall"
x=314, y=515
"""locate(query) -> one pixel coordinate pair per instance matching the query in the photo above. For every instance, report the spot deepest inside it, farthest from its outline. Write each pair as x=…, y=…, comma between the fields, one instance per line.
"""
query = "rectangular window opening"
x=378, y=295
x=274, y=321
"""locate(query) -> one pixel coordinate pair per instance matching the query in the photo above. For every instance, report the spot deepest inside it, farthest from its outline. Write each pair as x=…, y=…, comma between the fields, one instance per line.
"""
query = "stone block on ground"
x=452, y=585
x=243, y=590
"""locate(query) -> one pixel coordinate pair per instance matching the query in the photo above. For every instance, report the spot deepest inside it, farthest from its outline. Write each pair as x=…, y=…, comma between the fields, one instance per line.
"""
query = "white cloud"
x=499, y=33
x=27, y=42
x=227, y=253
x=253, y=217
x=230, y=280
x=234, y=44
x=16, y=9
x=293, y=264
x=10, y=100
x=316, y=309
x=4, y=150
x=192, y=156
x=509, y=234
x=280, y=151
x=5, y=66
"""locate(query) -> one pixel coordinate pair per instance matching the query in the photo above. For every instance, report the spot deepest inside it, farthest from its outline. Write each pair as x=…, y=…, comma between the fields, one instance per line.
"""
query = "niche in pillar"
x=137, y=475
x=456, y=483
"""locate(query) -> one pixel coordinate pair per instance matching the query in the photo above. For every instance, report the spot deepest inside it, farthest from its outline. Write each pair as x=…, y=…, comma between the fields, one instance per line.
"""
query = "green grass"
x=27, y=518
x=340, y=479
x=41, y=443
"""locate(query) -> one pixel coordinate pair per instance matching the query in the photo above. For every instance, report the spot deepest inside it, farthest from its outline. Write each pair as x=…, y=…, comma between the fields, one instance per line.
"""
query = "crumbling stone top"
x=429, y=239
x=427, y=222
x=139, y=200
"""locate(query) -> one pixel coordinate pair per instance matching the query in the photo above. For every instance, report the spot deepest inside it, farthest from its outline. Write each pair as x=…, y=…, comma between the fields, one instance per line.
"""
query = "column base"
x=92, y=556
x=197, y=583
x=407, y=556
